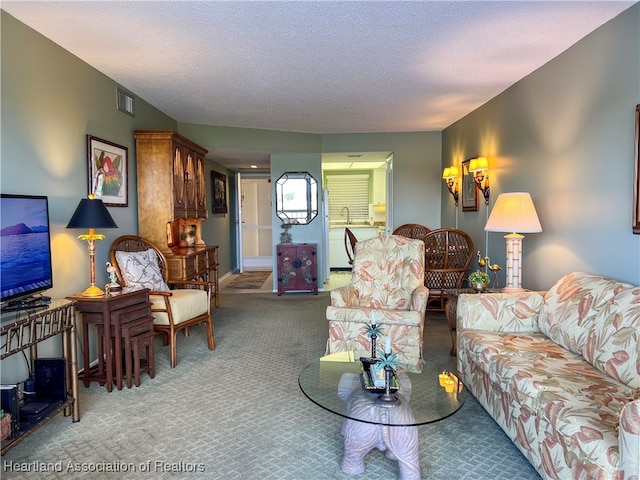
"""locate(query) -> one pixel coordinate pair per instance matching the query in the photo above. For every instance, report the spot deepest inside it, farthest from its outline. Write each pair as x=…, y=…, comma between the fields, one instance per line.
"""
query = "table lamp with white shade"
x=514, y=213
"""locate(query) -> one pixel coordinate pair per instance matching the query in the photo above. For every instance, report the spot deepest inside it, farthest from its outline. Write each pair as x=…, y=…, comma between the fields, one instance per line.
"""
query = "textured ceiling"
x=316, y=67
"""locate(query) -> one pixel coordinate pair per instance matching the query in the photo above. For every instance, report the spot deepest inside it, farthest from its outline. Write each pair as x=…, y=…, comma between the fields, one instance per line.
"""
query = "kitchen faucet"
x=348, y=214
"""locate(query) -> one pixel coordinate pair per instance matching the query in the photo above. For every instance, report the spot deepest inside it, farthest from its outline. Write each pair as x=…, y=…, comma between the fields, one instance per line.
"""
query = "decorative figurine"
x=388, y=362
x=373, y=331
x=285, y=237
x=111, y=270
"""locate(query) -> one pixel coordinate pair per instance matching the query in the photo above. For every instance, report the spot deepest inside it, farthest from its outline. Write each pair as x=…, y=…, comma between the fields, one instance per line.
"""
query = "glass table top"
x=337, y=386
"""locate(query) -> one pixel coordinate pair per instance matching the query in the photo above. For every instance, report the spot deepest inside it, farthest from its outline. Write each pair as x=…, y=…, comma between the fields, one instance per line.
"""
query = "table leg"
x=118, y=352
x=108, y=354
x=85, y=346
x=451, y=310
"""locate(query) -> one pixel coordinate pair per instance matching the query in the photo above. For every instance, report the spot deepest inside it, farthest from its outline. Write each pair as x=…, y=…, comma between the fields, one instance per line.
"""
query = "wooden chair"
x=175, y=305
x=448, y=253
x=350, y=241
x=412, y=230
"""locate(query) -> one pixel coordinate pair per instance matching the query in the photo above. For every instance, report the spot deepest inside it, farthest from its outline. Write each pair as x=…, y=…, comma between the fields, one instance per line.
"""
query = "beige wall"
x=565, y=134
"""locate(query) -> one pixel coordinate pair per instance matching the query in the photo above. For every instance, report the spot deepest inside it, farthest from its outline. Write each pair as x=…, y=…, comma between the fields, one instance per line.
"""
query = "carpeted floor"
x=237, y=413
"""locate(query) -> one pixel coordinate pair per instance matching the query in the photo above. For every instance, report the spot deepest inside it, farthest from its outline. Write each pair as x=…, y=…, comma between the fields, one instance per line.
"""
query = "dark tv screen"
x=25, y=246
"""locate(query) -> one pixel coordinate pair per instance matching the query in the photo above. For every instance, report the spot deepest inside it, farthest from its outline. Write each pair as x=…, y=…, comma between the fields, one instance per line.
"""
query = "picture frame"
x=636, y=176
x=219, y=189
x=107, y=171
x=469, y=190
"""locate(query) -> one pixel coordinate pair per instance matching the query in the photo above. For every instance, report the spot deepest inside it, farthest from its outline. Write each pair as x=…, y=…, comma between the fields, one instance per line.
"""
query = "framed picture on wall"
x=636, y=177
x=219, y=186
x=469, y=191
x=107, y=171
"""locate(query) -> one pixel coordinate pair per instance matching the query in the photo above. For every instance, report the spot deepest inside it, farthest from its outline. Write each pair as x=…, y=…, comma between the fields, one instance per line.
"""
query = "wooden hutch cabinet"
x=172, y=202
x=297, y=267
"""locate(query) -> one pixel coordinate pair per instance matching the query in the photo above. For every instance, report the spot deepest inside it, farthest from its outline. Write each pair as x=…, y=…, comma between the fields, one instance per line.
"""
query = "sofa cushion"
x=613, y=342
x=570, y=306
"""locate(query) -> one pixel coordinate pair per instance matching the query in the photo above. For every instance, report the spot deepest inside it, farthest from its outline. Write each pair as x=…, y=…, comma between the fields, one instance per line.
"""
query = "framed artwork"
x=636, y=177
x=219, y=185
x=107, y=171
x=469, y=191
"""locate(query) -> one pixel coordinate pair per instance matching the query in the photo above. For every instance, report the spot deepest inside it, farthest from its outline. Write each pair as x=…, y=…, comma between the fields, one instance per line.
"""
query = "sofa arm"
x=499, y=312
x=629, y=440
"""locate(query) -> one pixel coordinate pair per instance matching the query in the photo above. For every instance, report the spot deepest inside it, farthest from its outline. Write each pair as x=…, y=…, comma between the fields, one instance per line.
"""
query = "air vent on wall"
x=126, y=102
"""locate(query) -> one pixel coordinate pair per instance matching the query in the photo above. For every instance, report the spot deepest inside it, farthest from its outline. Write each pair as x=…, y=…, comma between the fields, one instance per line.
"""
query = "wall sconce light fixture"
x=450, y=176
x=480, y=168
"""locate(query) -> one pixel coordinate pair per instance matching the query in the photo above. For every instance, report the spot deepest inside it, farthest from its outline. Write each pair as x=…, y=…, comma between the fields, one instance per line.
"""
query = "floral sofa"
x=388, y=278
x=560, y=373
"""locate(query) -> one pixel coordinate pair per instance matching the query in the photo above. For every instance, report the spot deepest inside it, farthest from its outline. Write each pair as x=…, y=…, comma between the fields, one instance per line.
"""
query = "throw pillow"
x=141, y=270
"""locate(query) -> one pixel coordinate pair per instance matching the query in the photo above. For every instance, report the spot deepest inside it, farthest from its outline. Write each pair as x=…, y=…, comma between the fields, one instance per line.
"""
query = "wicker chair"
x=448, y=253
x=350, y=241
x=411, y=230
x=188, y=303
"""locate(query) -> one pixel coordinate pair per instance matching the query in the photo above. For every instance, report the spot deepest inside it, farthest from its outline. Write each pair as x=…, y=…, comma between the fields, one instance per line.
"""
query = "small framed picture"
x=469, y=191
x=219, y=186
x=107, y=171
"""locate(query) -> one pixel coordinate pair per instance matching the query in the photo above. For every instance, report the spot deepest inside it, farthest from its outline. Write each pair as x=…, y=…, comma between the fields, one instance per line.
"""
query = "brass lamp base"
x=93, y=291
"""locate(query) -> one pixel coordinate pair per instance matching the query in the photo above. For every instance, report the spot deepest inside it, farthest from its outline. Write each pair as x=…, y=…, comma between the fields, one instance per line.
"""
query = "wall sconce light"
x=450, y=176
x=480, y=168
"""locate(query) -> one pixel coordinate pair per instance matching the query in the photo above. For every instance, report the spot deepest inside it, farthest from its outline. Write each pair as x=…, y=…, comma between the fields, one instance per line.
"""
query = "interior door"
x=238, y=227
x=389, y=194
x=255, y=199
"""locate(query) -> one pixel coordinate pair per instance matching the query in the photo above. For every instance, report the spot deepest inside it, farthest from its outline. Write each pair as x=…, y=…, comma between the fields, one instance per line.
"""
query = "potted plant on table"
x=479, y=280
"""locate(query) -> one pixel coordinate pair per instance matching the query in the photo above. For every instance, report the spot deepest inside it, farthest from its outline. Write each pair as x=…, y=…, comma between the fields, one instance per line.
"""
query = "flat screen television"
x=25, y=248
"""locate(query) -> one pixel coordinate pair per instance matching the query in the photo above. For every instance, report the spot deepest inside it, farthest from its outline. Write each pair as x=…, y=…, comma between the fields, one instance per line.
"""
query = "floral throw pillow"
x=141, y=270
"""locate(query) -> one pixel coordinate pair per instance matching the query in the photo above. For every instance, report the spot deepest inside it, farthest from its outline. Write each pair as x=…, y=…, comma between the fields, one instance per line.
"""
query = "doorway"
x=357, y=191
x=254, y=232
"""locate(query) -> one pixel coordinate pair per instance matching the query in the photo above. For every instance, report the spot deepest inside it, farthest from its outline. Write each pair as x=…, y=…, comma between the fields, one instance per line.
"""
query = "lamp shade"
x=513, y=212
x=91, y=213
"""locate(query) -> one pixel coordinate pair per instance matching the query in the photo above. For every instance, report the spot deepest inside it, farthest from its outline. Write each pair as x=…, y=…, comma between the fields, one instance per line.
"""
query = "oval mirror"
x=296, y=198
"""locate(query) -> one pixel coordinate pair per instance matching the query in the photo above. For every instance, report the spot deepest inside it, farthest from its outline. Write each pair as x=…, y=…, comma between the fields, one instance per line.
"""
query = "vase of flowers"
x=479, y=280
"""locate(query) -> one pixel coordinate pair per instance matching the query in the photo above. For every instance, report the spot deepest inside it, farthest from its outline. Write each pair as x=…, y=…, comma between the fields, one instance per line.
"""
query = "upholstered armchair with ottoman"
x=560, y=373
x=388, y=279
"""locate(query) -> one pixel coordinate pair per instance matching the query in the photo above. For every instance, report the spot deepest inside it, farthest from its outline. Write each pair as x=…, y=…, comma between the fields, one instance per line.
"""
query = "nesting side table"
x=109, y=314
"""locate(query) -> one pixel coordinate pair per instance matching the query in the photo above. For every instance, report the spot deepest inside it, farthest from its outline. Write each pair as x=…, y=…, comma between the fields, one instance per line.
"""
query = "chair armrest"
x=419, y=299
x=499, y=312
x=210, y=286
x=344, y=296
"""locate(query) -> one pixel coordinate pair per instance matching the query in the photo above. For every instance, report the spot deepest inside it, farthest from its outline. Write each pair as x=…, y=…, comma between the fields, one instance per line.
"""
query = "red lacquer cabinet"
x=297, y=267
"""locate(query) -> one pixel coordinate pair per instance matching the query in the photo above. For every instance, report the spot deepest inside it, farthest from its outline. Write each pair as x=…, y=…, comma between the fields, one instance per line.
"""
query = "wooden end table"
x=108, y=313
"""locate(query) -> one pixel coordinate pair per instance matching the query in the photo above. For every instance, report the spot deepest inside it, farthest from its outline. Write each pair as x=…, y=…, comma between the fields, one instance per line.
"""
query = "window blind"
x=351, y=191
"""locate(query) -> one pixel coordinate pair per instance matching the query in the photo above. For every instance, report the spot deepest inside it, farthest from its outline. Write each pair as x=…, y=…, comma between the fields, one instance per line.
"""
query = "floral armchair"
x=388, y=278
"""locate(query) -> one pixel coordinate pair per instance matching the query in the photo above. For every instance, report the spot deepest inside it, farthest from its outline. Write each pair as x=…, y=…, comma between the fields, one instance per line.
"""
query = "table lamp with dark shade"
x=91, y=213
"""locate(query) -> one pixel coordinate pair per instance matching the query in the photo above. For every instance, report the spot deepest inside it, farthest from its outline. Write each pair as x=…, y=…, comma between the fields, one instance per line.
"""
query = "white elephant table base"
x=361, y=436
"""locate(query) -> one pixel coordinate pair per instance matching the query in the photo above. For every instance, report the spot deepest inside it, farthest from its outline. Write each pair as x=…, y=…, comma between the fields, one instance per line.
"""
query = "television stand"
x=28, y=303
x=24, y=330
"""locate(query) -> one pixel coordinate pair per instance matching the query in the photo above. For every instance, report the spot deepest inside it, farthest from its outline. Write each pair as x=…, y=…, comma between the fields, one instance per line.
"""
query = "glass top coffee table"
x=337, y=386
